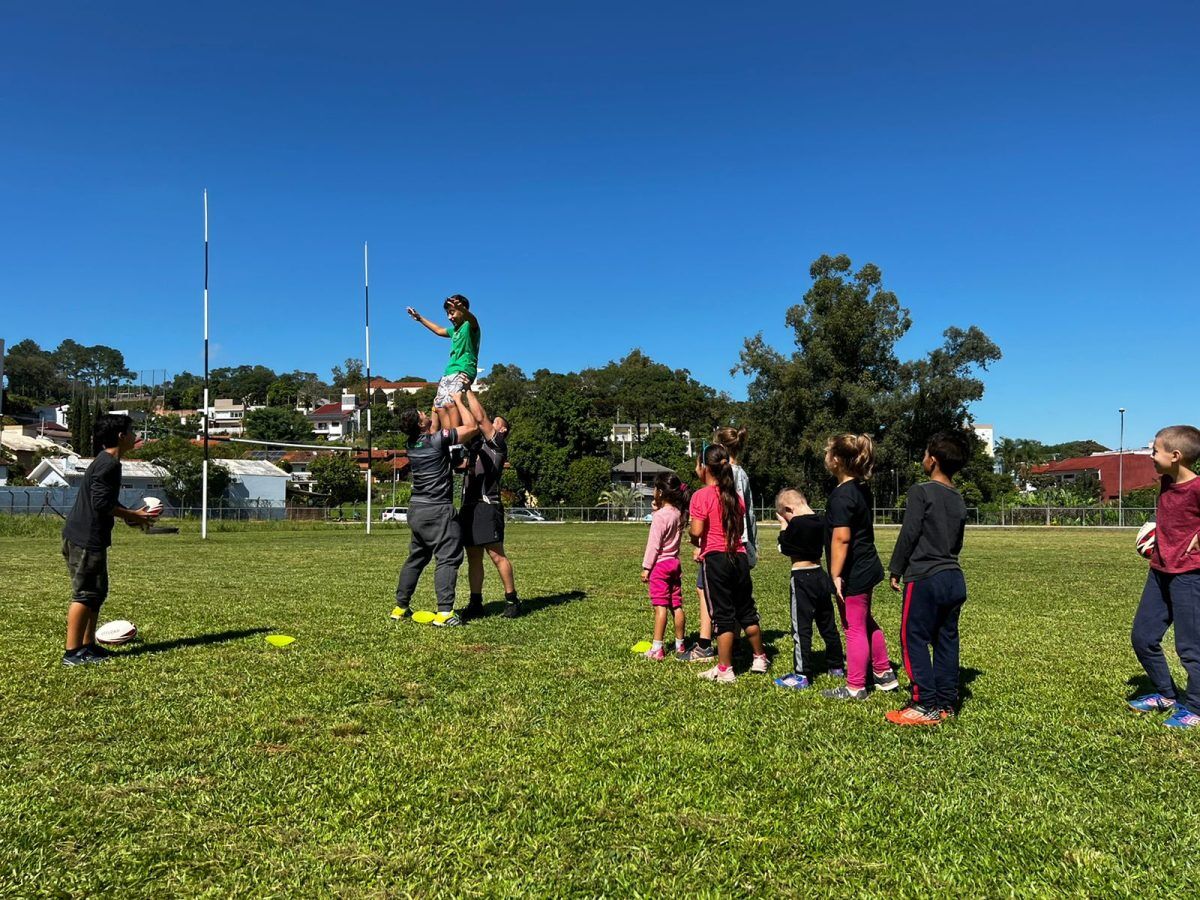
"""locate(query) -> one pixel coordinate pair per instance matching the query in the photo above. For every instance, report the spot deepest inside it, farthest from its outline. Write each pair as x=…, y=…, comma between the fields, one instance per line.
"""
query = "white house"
x=336, y=421
x=227, y=416
x=625, y=434
x=252, y=482
x=987, y=434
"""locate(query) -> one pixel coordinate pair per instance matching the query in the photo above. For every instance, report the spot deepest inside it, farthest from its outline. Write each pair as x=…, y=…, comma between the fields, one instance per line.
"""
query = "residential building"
x=1128, y=471
x=336, y=421
x=987, y=434
x=626, y=434
x=227, y=416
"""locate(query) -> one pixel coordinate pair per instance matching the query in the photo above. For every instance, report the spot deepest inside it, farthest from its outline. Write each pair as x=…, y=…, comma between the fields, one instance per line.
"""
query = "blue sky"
x=607, y=176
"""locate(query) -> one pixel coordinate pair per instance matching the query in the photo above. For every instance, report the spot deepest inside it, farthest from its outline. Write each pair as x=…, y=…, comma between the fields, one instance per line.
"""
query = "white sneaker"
x=715, y=674
x=760, y=665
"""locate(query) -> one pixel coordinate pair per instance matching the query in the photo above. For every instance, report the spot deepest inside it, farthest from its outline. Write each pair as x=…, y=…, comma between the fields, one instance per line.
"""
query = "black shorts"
x=482, y=524
x=729, y=592
x=89, y=574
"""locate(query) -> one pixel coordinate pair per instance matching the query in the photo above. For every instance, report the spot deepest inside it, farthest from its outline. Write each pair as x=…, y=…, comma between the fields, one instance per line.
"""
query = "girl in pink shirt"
x=660, y=563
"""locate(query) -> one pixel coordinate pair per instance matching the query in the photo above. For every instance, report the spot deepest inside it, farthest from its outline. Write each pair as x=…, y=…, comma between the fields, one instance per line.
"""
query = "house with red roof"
x=1128, y=471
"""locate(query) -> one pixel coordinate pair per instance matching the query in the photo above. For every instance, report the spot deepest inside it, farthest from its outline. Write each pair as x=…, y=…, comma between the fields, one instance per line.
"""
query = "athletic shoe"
x=760, y=665
x=914, y=714
x=80, y=657
x=836, y=672
x=947, y=713
x=845, y=693
x=886, y=681
x=96, y=651
x=696, y=653
x=681, y=654
x=1152, y=703
x=446, y=620
x=512, y=609
x=656, y=655
x=474, y=610
x=715, y=674
x=1182, y=718
x=793, y=682
x=401, y=612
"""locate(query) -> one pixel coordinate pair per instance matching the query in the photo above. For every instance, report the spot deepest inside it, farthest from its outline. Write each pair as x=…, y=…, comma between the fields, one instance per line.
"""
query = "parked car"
x=521, y=514
x=395, y=514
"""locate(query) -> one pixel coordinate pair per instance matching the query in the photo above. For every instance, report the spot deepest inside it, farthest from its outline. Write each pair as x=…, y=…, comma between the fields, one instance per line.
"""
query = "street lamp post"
x=1121, y=472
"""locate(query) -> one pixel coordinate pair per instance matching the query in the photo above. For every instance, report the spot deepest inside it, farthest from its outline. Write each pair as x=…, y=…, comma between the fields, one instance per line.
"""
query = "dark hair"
x=673, y=491
x=457, y=298
x=716, y=460
x=732, y=439
x=410, y=424
x=109, y=428
x=950, y=449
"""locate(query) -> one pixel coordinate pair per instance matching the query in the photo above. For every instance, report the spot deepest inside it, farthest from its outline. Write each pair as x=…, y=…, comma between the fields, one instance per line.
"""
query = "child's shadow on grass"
x=531, y=605
x=199, y=640
x=1140, y=685
x=965, y=677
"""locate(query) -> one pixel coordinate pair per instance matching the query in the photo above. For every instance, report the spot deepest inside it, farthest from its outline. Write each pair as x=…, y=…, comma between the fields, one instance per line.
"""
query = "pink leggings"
x=864, y=639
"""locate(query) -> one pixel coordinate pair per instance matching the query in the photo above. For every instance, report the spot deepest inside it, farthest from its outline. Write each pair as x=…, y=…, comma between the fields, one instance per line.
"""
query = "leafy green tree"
x=844, y=375
x=184, y=391
x=507, y=389
x=31, y=371
x=248, y=384
x=273, y=423
x=184, y=464
x=349, y=375
x=587, y=479
x=337, y=476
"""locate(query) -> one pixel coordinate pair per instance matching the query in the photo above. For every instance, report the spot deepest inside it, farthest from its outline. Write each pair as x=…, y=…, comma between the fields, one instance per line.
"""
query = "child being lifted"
x=464, y=334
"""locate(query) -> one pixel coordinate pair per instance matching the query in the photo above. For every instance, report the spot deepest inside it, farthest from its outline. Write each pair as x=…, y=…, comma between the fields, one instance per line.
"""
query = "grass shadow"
x=1140, y=685
x=199, y=640
x=531, y=605
x=965, y=677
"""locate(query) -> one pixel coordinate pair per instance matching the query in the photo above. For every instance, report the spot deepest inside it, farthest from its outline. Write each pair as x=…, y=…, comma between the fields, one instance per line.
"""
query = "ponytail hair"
x=732, y=439
x=673, y=491
x=854, y=453
x=716, y=460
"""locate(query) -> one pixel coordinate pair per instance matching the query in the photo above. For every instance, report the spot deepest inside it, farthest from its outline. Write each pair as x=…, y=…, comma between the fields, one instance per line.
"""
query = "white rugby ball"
x=152, y=504
x=118, y=632
x=1145, y=540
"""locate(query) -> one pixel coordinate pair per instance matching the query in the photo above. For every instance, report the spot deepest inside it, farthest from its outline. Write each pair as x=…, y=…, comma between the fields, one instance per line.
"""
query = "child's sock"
x=704, y=643
x=510, y=598
x=721, y=668
x=656, y=645
x=678, y=645
x=477, y=599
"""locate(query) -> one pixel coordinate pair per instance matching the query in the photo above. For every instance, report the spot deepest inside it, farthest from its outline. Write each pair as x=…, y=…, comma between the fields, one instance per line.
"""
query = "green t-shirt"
x=464, y=350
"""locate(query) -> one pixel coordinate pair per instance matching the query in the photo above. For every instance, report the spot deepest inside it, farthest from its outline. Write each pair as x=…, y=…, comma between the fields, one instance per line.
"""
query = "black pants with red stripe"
x=930, y=620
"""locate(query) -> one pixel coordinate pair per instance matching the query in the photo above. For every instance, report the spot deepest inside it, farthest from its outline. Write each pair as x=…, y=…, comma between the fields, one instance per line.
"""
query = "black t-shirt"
x=850, y=507
x=804, y=538
x=483, y=473
x=931, y=538
x=429, y=462
x=90, y=522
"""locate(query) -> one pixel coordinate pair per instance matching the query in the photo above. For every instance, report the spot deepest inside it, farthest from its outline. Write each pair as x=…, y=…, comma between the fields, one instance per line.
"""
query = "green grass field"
x=539, y=756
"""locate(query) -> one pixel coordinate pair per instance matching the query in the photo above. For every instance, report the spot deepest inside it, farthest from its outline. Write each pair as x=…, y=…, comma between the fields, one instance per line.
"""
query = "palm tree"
x=619, y=497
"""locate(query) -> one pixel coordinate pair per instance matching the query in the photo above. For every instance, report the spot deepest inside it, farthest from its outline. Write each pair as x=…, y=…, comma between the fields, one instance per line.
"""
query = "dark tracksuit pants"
x=435, y=535
x=930, y=620
x=1166, y=600
x=811, y=602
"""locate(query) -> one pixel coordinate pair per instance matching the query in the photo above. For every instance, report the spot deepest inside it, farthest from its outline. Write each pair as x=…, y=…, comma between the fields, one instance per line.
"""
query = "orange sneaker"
x=914, y=714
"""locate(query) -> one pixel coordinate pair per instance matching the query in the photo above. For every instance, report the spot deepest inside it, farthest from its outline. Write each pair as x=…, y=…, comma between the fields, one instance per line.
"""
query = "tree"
x=337, y=476
x=619, y=499
x=349, y=375
x=507, y=389
x=587, y=479
x=273, y=423
x=297, y=388
x=184, y=391
x=245, y=384
x=844, y=375
x=30, y=370
x=184, y=464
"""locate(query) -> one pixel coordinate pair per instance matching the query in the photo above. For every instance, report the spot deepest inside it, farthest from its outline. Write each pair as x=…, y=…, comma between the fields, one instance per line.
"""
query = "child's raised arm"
x=432, y=326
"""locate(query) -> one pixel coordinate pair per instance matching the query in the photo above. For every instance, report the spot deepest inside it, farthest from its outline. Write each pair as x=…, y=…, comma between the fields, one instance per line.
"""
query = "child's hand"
x=837, y=587
x=412, y=312
x=696, y=555
x=895, y=582
x=645, y=575
x=1195, y=544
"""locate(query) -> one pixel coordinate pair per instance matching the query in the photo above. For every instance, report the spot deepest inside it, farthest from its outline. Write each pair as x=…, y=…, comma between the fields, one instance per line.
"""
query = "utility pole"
x=1121, y=472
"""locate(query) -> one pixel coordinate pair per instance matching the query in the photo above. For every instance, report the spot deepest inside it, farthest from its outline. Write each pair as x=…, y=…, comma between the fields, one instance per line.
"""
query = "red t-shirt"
x=1177, y=523
x=706, y=506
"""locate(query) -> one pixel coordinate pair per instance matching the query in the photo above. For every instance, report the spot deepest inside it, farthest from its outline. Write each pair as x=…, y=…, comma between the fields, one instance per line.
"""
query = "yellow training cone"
x=279, y=640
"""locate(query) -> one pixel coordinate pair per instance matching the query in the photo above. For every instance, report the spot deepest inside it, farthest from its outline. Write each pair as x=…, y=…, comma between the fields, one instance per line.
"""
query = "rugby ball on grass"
x=118, y=632
x=1145, y=540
